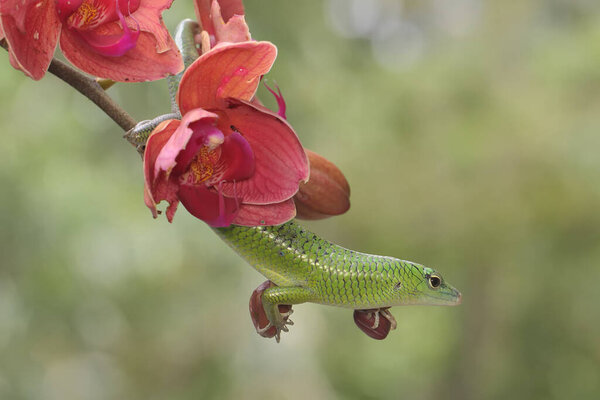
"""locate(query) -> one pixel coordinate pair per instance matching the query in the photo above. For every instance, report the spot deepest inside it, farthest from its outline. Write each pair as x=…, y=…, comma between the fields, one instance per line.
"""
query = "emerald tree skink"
x=306, y=268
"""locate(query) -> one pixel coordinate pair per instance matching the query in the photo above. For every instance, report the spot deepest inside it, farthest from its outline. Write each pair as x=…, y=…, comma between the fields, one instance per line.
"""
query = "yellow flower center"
x=202, y=166
x=87, y=15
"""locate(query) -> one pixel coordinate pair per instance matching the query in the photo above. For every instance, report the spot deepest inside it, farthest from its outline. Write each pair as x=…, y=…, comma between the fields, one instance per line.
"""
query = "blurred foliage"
x=478, y=157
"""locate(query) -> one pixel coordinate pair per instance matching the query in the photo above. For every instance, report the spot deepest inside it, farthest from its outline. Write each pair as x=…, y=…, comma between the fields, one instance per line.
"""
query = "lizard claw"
x=385, y=312
x=283, y=328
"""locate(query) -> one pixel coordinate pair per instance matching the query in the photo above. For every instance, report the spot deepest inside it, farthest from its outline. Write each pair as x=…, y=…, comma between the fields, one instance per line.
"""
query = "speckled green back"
x=289, y=255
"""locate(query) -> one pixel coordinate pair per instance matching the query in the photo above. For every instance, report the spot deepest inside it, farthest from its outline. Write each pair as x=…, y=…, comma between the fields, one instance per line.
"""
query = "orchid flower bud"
x=327, y=192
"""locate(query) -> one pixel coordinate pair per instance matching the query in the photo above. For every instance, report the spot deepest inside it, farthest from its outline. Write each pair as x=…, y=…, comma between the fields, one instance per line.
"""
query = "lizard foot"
x=271, y=330
x=263, y=326
x=376, y=323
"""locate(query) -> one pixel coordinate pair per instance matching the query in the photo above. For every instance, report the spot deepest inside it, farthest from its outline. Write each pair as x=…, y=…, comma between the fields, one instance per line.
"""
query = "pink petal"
x=280, y=161
x=157, y=186
x=271, y=214
x=231, y=70
x=141, y=63
x=31, y=28
x=229, y=8
x=207, y=205
x=234, y=31
x=237, y=158
x=191, y=134
x=149, y=18
x=1, y=30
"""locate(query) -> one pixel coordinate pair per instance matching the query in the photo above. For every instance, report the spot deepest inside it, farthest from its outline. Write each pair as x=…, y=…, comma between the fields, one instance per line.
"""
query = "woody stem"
x=90, y=89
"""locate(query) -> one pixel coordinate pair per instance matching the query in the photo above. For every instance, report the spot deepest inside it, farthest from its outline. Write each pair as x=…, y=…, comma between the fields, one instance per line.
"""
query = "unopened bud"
x=326, y=193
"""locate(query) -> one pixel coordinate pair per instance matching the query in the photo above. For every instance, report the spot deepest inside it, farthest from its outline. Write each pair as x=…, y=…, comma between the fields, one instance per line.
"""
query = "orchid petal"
x=31, y=29
x=280, y=161
x=235, y=30
x=270, y=214
x=229, y=8
x=157, y=186
x=231, y=70
x=149, y=18
x=141, y=63
x=208, y=205
x=237, y=158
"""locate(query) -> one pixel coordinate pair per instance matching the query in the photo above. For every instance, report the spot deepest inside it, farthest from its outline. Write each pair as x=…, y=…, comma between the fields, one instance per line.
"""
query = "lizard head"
x=425, y=286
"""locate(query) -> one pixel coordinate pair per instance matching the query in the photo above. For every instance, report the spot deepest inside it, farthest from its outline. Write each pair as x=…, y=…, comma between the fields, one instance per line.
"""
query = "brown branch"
x=90, y=89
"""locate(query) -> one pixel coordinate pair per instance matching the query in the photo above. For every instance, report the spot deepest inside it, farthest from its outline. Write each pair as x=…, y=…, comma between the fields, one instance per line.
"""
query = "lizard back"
x=289, y=255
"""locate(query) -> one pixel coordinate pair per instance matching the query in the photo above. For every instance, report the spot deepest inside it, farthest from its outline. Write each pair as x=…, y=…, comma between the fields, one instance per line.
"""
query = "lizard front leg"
x=271, y=306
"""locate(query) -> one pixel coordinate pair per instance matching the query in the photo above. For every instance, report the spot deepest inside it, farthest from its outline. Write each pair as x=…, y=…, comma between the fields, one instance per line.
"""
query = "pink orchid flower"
x=228, y=161
x=122, y=40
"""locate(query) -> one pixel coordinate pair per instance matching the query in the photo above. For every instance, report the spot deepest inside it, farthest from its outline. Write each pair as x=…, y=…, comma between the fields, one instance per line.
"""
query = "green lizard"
x=305, y=267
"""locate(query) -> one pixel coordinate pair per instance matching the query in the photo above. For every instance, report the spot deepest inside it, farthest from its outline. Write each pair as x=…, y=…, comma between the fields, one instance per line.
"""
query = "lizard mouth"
x=458, y=298
x=447, y=296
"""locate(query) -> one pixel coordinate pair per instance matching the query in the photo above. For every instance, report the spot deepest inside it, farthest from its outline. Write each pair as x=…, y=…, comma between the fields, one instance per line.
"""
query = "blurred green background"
x=469, y=131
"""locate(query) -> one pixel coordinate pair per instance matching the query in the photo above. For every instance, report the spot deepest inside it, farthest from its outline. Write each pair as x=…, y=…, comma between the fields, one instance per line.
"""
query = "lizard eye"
x=435, y=281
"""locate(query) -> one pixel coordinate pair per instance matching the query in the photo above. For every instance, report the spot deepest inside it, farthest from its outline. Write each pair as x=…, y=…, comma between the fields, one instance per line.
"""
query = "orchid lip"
x=114, y=45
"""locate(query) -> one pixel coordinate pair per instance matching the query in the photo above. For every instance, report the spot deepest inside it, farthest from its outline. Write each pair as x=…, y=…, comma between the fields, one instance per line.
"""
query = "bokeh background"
x=470, y=133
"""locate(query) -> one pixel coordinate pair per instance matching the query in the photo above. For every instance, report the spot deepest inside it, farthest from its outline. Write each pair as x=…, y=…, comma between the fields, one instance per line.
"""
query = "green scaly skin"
x=305, y=267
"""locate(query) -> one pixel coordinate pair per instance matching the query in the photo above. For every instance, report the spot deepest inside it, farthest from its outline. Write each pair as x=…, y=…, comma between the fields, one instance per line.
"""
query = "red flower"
x=123, y=40
x=228, y=160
